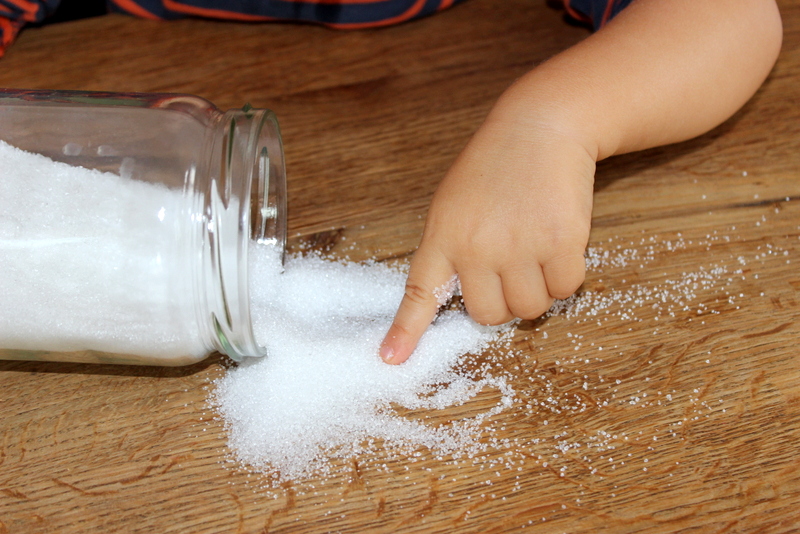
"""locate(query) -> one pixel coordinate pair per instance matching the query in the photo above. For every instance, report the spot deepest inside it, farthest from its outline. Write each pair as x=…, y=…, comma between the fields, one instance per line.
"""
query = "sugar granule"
x=447, y=291
x=322, y=391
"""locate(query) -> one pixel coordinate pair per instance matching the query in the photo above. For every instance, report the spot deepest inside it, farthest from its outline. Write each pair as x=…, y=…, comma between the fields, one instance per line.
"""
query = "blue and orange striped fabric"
x=342, y=14
x=595, y=12
x=14, y=14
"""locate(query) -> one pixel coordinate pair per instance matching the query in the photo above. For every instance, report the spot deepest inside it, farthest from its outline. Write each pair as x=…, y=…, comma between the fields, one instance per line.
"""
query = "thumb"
x=428, y=276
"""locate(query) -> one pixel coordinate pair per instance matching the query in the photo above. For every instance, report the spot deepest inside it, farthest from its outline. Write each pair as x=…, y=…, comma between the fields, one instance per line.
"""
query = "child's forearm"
x=663, y=71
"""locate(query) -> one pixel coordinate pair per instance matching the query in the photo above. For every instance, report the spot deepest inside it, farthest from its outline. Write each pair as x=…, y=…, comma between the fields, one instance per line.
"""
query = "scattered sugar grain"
x=447, y=291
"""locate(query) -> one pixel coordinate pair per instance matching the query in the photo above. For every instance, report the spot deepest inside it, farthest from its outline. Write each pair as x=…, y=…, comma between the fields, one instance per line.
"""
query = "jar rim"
x=252, y=188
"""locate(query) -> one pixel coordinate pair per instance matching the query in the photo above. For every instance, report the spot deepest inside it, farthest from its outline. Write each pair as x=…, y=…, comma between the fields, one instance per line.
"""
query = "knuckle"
x=416, y=294
x=566, y=249
x=400, y=330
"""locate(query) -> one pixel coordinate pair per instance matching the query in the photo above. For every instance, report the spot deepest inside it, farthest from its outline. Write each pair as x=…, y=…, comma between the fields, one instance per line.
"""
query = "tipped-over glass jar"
x=125, y=223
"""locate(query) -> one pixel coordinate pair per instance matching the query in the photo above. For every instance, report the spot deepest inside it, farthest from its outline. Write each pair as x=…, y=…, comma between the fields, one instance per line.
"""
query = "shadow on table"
x=104, y=369
x=619, y=167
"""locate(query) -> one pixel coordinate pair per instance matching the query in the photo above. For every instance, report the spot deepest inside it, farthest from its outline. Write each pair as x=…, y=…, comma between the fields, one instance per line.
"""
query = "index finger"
x=429, y=272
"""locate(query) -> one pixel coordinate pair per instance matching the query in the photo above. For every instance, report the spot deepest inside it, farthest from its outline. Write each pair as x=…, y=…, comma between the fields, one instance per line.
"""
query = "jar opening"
x=246, y=204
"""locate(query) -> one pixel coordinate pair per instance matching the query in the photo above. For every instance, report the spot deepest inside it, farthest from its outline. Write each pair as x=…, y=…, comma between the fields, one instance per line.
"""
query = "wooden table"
x=690, y=419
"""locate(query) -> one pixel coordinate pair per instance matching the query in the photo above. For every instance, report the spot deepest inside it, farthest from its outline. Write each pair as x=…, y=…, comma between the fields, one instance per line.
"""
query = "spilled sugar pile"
x=323, y=395
x=323, y=392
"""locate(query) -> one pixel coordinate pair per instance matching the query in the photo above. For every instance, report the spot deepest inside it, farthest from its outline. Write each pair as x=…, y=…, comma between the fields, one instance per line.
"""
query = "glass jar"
x=125, y=223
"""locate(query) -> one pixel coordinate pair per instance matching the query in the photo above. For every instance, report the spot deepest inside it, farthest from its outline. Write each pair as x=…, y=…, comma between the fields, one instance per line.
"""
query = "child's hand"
x=512, y=215
x=511, y=218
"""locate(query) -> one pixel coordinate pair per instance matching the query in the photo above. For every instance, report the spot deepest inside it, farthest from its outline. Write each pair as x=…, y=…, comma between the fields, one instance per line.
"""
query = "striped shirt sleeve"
x=343, y=14
x=14, y=14
x=595, y=12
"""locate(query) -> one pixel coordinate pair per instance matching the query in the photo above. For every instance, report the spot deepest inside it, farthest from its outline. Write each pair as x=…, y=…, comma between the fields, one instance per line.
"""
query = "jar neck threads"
x=243, y=193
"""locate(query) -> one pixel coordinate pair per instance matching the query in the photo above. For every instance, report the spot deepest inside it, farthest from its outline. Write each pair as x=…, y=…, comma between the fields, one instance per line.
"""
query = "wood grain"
x=371, y=121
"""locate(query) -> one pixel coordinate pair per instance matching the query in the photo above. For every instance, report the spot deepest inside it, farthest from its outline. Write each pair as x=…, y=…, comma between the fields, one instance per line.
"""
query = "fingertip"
x=393, y=351
x=388, y=355
x=418, y=306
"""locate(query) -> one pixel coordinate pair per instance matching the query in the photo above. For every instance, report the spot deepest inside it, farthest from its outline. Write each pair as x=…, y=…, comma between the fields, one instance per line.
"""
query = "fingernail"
x=386, y=353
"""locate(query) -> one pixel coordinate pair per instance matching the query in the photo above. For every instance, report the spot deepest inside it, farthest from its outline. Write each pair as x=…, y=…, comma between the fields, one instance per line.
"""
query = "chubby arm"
x=512, y=215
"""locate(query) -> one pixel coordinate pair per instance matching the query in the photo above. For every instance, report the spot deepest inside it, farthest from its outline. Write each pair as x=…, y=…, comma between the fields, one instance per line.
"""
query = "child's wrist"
x=529, y=107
